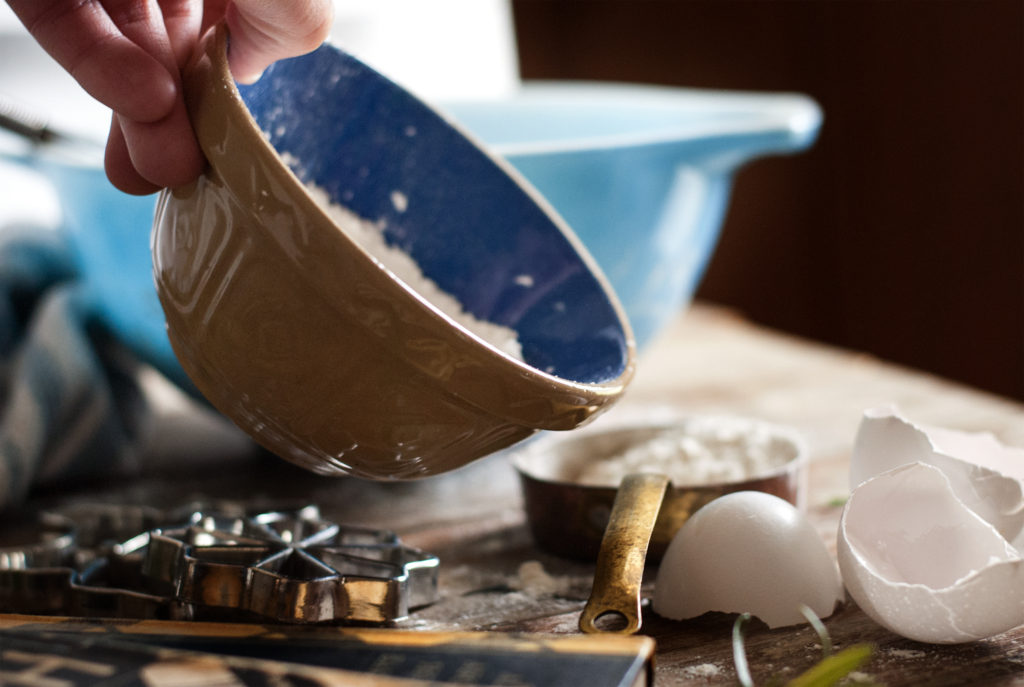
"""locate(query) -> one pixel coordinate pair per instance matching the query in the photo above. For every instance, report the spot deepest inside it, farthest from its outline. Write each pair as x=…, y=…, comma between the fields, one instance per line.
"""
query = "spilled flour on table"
x=532, y=579
x=705, y=670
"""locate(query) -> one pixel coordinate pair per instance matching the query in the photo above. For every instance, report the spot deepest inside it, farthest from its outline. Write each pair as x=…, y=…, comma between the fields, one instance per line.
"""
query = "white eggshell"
x=747, y=552
x=976, y=464
x=921, y=563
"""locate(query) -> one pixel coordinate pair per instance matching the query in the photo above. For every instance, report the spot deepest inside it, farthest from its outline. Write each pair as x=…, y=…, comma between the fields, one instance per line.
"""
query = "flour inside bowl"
x=370, y=236
x=701, y=451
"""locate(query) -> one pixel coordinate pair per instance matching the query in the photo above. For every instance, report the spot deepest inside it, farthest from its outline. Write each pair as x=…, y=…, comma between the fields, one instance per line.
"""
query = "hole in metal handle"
x=605, y=621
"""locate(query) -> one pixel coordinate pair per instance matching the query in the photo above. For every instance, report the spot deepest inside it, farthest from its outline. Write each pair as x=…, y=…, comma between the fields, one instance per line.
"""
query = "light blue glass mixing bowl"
x=642, y=174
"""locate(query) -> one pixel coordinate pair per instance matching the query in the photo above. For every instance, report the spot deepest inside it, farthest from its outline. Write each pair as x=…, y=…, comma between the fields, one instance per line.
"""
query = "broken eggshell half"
x=928, y=541
x=984, y=473
x=748, y=552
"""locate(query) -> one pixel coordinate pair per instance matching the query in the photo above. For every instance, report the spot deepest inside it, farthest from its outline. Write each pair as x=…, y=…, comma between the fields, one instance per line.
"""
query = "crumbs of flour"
x=703, y=450
x=534, y=580
x=370, y=236
x=705, y=670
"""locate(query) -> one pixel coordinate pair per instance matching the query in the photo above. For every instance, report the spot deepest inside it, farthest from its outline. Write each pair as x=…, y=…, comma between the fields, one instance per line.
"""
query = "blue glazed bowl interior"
x=468, y=222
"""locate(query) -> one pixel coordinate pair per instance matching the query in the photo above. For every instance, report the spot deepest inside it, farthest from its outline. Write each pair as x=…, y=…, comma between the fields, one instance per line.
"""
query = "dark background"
x=901, y=233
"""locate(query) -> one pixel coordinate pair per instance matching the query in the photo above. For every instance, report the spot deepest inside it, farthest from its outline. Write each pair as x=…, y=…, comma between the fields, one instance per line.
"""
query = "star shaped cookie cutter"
x=288, y=566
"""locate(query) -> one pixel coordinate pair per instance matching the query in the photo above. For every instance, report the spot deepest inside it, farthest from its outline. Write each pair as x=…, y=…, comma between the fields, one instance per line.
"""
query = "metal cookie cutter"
x=290, y=568
x=78, y=566
x=283, y=566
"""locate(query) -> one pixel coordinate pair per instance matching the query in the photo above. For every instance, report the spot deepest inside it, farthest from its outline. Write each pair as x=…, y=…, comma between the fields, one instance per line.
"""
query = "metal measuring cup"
x=622, y=526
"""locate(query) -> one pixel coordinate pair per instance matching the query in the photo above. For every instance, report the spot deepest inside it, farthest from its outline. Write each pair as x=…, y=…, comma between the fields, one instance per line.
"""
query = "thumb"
x=264, y=31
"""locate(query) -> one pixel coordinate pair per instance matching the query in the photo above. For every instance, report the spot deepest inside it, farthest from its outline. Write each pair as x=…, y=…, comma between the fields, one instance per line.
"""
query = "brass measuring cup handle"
x=620, y=562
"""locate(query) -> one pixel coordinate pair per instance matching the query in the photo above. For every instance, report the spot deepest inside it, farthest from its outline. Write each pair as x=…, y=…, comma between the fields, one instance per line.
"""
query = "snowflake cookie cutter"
x=287, y=566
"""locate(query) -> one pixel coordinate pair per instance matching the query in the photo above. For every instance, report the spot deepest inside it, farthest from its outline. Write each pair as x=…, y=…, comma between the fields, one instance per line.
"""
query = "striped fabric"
x=69, y=403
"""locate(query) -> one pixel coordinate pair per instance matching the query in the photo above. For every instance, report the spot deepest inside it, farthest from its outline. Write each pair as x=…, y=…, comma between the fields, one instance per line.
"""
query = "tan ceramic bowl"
x=299, y=336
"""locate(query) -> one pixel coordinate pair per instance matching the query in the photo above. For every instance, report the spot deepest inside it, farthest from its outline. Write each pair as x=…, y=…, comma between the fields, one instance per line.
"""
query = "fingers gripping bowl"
x=307, y=342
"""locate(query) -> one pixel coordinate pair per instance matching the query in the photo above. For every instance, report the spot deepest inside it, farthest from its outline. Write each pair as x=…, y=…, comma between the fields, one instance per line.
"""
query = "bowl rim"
x=790, y=121
x=211, y=81
x=656, y=419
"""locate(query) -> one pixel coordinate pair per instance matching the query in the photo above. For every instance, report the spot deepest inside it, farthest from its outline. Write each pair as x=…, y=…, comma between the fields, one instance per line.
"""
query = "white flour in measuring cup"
x=699, y=450
x=370, y=236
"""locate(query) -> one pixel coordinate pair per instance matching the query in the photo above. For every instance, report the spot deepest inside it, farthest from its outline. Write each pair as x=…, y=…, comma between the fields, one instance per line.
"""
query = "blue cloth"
x=70, y=405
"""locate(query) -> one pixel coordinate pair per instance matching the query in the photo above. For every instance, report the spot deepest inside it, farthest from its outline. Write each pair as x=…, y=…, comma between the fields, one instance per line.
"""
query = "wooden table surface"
x=709, y=362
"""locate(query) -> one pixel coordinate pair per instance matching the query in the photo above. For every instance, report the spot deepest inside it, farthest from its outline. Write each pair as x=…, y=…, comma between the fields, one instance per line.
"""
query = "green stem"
x=739, y=654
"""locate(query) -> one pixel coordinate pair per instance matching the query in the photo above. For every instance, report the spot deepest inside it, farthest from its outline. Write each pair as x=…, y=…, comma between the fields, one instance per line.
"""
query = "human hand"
x=128, y=54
